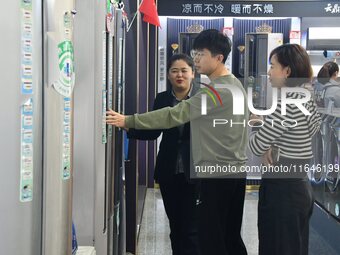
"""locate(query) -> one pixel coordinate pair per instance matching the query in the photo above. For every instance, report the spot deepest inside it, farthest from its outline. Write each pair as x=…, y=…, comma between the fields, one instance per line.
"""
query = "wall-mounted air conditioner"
x=323, y=38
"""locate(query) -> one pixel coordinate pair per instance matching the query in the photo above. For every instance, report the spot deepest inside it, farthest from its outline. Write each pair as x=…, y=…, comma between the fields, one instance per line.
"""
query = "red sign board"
x=228, y=31
x=295, y=34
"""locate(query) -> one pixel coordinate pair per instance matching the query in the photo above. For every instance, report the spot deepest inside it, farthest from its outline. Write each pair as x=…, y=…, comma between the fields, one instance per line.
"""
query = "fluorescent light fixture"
x=331, y=33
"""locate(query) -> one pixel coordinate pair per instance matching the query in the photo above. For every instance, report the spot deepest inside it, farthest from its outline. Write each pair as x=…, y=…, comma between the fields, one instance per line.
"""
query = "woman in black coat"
x=173, y=160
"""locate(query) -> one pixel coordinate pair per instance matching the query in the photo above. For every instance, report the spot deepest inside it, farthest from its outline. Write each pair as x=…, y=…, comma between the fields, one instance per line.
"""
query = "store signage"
x=234, y=8
x=295, y=34
x=228, y=31
x=202, y=8
x=251, y=8
x=332, y=8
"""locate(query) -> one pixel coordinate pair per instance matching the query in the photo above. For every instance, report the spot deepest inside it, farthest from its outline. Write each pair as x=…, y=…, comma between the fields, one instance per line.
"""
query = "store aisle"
x=154, y=232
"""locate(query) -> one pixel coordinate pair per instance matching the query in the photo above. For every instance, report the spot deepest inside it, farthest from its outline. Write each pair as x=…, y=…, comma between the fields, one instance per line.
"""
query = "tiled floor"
x=154, y=232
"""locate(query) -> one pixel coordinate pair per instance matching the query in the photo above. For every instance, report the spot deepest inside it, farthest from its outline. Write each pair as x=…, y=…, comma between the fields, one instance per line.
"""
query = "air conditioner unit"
x=323, y=38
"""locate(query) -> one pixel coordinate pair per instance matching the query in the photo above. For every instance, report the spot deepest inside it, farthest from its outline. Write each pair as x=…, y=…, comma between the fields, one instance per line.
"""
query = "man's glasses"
x=196, y=54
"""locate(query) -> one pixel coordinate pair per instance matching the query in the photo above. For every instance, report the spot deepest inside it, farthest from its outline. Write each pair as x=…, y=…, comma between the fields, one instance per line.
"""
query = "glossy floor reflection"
x=154, y=232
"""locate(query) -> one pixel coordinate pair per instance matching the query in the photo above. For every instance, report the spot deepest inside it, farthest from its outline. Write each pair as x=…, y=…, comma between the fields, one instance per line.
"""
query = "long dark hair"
x=327, y=71
x=174, y=58
x=297, y=59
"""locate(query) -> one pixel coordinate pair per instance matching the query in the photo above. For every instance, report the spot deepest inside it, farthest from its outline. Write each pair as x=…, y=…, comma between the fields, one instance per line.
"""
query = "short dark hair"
x=183, y=57
x=296, y=58
x=214, y=41
x=327, y=71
